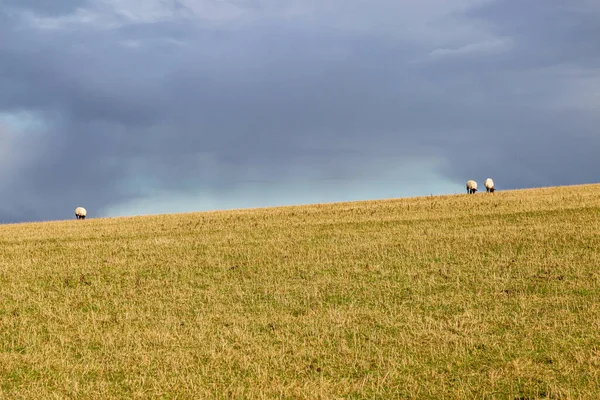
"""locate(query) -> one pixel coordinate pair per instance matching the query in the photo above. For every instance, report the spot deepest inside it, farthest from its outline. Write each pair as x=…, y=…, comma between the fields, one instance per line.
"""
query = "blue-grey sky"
x=133, y=107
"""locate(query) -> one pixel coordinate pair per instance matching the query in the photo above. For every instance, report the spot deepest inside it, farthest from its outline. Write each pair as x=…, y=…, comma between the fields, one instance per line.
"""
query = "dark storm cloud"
x=534, y=133
x=173, y=104
x=546, y=32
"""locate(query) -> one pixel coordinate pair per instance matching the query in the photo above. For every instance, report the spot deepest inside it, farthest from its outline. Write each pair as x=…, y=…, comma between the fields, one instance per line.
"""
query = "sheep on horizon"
x=471, y=186
x=489, y=185
x=80, y=213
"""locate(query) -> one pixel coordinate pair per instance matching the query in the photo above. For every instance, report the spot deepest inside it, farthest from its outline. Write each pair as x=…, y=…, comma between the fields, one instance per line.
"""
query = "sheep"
x=80, y=213
x=489, y=185
x=471, y=186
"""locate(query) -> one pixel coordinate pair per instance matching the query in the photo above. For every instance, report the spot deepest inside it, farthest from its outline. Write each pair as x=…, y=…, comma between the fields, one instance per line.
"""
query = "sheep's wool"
x=471, y=184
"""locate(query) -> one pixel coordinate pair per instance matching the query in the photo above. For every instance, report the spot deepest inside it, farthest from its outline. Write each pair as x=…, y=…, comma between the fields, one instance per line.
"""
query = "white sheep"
x=471, y=186
x=489, y=185
x=80, y=213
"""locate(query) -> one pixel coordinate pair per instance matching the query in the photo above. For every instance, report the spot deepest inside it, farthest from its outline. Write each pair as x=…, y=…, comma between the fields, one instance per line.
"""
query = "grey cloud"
x=44, y=7
x=179, y=106
x=547, y=32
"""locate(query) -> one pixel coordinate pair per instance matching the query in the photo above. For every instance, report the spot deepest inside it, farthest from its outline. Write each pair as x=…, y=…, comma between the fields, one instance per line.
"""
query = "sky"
x=131, y=107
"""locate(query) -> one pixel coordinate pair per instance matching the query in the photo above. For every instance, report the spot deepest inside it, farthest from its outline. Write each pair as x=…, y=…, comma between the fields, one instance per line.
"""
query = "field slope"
x=451, y=297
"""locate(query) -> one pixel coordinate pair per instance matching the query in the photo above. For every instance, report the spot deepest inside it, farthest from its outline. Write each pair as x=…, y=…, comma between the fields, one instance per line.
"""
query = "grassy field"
x=446, y=297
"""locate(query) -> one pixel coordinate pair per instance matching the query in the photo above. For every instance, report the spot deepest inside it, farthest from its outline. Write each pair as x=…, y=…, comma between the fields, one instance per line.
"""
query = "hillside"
x=462, y=296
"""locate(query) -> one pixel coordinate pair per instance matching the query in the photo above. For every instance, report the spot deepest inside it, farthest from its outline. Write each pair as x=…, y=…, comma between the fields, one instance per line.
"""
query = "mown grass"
x=451, y=297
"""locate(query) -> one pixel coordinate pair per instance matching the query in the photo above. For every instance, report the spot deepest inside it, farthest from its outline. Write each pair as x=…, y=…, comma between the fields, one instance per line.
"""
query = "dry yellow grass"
x=451, y=297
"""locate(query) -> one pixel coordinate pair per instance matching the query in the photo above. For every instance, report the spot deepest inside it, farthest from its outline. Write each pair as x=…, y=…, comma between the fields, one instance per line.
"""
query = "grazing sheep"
x=80, y=213
x=471, y=186
x=489, y=185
